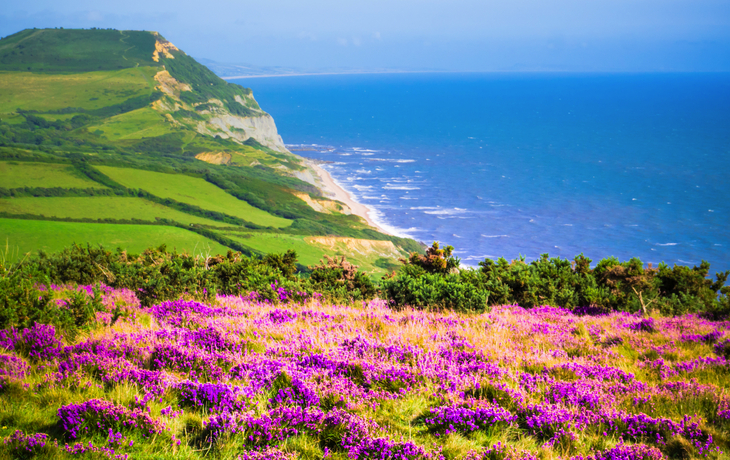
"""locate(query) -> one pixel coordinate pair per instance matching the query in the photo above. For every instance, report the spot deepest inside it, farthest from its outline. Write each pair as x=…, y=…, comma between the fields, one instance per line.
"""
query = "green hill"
x=105, y=128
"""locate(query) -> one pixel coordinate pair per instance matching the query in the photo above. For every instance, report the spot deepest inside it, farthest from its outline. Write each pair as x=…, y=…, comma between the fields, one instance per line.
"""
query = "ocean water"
x=509, y=165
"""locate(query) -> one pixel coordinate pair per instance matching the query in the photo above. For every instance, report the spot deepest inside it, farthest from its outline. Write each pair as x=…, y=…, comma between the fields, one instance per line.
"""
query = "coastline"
x=334, y=191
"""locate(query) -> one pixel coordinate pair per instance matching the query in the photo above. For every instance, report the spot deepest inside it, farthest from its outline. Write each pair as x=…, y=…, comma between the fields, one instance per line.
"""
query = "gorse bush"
x=432, y=280
x=435, y=281
x=341, y=280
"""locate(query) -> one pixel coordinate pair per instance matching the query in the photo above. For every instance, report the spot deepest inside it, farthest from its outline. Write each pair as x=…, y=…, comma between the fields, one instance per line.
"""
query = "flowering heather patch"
x=25, y=444
x=463, y=419
x=104, y=416
x=39, y=342
x=254, y=379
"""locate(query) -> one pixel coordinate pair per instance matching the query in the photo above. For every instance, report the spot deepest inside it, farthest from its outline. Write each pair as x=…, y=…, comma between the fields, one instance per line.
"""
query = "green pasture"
x=53, y=116
x=99, y=207
x=144, y=122
x=46, y=175
x=90, y=90
x=279, y=243
x=23, y=236
x=76, y=50
x=192, y=191
x=307, y=254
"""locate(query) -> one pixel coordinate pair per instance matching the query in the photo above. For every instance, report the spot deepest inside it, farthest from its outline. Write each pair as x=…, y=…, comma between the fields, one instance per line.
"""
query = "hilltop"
x=120, y=138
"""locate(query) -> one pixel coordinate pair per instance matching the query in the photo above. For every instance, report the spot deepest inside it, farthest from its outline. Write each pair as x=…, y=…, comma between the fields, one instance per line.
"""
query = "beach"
x=332, y=190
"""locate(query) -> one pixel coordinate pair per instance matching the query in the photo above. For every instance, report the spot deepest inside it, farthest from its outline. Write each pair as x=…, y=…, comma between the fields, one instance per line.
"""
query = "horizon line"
x=376, y=72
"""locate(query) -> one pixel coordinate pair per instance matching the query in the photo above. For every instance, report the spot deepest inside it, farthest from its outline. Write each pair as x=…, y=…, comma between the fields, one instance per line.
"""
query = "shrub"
x=435, y=291
x=341, y=280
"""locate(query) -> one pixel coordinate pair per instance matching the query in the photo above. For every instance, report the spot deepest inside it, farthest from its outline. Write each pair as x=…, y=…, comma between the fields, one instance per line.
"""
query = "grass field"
x=307, y=252
x=24, y=236
x=102, y=207
x=144, y=122
x=193, y=191
x=273, y=242
x=76, y=50
x=43, y=175
x=91, y=90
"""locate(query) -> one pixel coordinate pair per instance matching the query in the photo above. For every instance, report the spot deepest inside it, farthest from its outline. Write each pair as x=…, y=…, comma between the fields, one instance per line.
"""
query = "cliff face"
x=197, y=98
x=223, y=123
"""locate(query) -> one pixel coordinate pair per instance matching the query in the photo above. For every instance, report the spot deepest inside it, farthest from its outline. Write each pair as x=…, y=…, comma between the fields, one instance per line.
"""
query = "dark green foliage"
x=341, y=280
x=23, y=302
x=426, y=281
x=157, y=275
x=76, y=50
x=285, y=263
x=165, y=144
x=435, y=291
x=435, y=261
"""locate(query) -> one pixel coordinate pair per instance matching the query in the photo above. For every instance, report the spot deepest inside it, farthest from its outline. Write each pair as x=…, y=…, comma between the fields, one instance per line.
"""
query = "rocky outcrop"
x=212, y=117
x=262, y=128
x=215, y=158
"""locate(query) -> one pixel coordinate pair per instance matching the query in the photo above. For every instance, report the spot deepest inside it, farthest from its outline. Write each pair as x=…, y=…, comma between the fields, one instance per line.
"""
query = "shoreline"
x=335, y=191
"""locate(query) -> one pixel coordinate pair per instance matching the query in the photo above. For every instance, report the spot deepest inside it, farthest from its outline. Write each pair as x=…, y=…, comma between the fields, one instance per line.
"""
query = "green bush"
x=434, y=280
x=23, y=301
x=432, y=290
x=340, y=280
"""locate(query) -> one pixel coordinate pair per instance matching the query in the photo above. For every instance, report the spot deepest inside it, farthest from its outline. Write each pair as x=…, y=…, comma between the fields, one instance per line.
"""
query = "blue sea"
x=509, y=165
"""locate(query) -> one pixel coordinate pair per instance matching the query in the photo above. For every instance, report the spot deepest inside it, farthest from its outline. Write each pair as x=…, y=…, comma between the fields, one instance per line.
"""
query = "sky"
x=454, y=35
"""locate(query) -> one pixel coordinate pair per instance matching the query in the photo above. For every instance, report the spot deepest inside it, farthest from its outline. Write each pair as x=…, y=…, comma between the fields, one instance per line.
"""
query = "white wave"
x=363, y=171
x=419, y=208
x=391, y=160
x=361, y=188
x=666, y=244
x=400, y=187
x=445, y=212
x=358, y=149
x=408, y=198
x=495, y=236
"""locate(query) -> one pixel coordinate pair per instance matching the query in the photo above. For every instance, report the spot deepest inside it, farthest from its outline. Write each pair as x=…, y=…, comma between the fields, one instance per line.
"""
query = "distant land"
x=233, y=71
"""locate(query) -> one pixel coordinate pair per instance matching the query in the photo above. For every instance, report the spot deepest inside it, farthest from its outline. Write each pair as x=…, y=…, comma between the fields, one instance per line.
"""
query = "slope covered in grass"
x=47, y=175
x=193, y=191
x=24, y=236
x=88, y=91
x=101, y=207
x=76, y=50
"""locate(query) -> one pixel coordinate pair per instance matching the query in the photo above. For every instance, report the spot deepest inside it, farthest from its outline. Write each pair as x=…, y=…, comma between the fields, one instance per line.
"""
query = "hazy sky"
x=579, y=35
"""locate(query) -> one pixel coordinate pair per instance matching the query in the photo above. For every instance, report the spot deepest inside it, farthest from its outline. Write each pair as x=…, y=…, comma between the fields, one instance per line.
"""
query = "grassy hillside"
x=59, y=50
x=23, y=236
x=123, y=127
x=193, y=191
x=99, y=207
x=24, y=174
